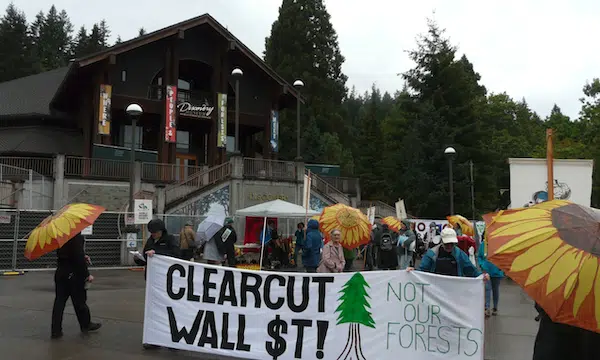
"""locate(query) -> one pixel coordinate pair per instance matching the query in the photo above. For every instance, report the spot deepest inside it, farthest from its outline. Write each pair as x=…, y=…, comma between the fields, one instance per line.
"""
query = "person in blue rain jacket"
x=311, y=249
x=496, y=276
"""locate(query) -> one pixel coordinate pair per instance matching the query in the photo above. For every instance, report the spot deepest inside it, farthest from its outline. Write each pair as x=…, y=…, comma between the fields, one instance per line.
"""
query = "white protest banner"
x=375, y=315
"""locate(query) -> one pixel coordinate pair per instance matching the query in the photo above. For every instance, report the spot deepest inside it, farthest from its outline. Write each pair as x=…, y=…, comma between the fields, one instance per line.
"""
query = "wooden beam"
x=550, y=163
x=180, y=34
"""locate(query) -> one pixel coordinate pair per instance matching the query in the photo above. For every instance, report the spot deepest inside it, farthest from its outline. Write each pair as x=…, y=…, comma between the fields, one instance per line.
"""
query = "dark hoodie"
x=412, y=237
x=311, y=251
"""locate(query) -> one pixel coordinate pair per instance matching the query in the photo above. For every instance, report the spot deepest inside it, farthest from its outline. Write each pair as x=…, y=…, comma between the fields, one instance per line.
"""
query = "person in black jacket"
x=160, y=241
x=230, y=243
x=70, y=281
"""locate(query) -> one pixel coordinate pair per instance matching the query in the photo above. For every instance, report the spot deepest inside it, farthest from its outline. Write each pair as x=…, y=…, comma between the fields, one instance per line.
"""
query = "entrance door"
x=186, y=164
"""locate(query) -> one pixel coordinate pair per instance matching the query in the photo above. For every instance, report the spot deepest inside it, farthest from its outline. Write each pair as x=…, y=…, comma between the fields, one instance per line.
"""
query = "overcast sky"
x=541, y=50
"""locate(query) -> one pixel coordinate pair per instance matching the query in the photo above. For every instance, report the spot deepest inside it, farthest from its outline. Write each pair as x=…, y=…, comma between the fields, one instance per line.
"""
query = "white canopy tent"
x=275, y=208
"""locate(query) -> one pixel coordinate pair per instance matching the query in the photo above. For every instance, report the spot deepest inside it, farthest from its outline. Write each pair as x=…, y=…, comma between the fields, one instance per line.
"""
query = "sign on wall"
x=202, y=111
x=104, y=107
x=274, y=130
x=268, y=315
x=171, y=115
x=222, y=120
x=143, y=211
x=529, y=178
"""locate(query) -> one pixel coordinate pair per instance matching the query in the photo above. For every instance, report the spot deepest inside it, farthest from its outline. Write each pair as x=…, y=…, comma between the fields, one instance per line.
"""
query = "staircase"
x=325, y=189
x=199, y=182
x=381, y=209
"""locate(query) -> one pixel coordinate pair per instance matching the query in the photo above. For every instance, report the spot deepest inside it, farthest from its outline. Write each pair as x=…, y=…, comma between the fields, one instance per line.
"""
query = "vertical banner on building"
x=171, y=114
x=274, y=130
x=104, y=110
x=222, y=120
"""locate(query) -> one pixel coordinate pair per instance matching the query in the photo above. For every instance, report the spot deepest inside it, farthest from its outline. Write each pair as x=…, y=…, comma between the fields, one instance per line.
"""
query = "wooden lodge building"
x=79, y=110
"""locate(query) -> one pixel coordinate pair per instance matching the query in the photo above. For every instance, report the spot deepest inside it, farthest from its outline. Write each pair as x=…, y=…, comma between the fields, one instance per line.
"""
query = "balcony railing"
x=97, y=168
x=168, y=173
x=16, y=168
x=269, y=169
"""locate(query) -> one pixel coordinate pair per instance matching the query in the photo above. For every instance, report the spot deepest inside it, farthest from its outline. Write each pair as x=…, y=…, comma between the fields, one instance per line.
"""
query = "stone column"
x=161, y=201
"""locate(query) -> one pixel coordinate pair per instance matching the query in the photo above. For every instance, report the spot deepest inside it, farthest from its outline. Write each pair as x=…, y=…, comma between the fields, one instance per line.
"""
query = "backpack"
x=387, y=243
x=221, y=238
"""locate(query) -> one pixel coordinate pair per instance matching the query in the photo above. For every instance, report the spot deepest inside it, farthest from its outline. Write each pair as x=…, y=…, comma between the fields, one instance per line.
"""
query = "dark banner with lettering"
x=375, y=315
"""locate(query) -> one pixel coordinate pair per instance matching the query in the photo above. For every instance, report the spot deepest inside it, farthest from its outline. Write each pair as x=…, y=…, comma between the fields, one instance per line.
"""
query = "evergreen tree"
x=303, y=45
x=141, y=32
x=52, y=39
x=16, y=54
x=81, y=42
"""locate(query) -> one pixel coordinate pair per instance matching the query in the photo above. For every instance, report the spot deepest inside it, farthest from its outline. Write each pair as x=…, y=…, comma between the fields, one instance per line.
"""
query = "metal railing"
x=43, y=166
x=269, y=169
x=107, y=244
x=347, y=185
x=168, y=173
x=381, y=208
x=97, y=168
x=322, y=186
x=197, y=182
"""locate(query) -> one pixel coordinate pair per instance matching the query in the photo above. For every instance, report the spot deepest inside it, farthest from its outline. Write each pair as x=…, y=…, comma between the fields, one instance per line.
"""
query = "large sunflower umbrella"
x=392, y=223
x=353, y=224
x=552, y=250
x=465, y=225
x=59, y=228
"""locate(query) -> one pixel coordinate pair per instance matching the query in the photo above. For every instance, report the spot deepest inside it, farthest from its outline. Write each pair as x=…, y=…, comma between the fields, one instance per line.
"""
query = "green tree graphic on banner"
x=354, y=310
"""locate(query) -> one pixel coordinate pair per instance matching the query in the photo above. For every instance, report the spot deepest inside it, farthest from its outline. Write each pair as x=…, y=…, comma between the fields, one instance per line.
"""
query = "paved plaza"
x=117, y=300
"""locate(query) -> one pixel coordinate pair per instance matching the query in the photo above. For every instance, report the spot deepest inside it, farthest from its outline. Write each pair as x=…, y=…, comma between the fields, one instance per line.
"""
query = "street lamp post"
x=134, y=111
x=298, y=84
x=237, y=73
x=450, y=152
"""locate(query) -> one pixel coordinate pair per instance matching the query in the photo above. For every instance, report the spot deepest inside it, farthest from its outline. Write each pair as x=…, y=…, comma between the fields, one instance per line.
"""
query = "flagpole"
x=550, y=163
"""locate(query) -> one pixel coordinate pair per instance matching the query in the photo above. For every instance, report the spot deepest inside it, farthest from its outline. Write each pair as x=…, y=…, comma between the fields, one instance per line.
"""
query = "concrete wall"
x=113, y=195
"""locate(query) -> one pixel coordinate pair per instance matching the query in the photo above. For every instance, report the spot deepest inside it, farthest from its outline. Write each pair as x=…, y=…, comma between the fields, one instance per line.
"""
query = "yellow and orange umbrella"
x=353, y=224
x=59, y=228
x=392, y=223
x=552, y=250
x=465, y=225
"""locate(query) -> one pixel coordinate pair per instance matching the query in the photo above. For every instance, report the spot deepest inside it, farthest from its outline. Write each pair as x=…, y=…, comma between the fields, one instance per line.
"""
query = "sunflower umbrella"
x=465, y=224
x=392, y=223
x=552, y=250
x=316, y=217
x=353, y=224
x=59, y=228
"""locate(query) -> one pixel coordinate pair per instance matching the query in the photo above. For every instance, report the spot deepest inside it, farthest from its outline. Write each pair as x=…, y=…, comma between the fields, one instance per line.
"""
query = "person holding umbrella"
x=70, y=280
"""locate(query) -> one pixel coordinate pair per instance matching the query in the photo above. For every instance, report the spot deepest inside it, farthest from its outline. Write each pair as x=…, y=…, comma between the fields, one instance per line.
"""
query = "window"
x=126, y=137
x=183, y=141
x=230, y=144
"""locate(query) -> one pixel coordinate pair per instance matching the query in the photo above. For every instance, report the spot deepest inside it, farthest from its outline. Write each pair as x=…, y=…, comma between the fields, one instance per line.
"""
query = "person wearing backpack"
x=187, y=242
x=406, y=245
x=386, y=243
x=221, y=244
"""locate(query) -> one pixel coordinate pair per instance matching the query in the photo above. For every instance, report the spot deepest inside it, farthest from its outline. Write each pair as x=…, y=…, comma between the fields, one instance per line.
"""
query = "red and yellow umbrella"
x=392, y=223
x=465, y=225
x=353, y=224
x=59, y=228
x=552, y=250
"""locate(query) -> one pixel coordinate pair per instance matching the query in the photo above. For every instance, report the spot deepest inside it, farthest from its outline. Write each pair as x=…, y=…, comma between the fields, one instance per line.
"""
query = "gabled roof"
x=31, y=95
x=182, y=26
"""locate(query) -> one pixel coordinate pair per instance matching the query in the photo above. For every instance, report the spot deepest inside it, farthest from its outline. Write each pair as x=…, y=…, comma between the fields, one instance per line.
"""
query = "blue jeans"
x=492, y=287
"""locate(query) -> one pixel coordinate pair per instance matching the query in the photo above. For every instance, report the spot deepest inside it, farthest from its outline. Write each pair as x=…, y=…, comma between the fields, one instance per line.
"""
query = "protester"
x=229, y=243
x=187, y=241
x=311, y=251
x=160, y=241
x=70, y=281
x=266, y=235
x=431, y=233
x=299, y=236
x=386, y=242
x=332, y=260
x=406, y=245
x=448, y=259
x=496, y=276
x=349, y=257
x=556, y=341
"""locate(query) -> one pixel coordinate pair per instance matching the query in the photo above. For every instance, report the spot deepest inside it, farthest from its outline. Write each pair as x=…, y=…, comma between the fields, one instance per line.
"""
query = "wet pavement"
x=116, y=299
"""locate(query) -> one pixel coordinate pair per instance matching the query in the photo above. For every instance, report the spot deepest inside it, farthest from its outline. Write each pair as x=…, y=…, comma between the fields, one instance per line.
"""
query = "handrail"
x=198, y=181
x=325, y=187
